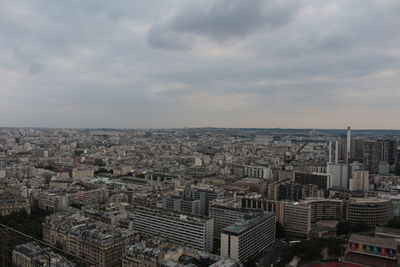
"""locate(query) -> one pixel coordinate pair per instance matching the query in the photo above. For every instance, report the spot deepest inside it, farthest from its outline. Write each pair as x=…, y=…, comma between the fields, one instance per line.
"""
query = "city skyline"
x=172, y=64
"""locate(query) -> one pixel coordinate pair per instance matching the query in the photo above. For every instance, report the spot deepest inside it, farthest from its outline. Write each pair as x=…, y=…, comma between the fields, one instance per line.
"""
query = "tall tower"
x=348, y=147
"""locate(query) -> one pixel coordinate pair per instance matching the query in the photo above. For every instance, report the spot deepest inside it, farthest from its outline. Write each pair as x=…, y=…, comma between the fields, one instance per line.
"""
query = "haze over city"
x=221, y=63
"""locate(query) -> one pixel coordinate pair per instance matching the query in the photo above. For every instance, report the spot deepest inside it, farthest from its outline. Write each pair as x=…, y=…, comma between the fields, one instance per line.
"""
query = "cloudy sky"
x=187, y=63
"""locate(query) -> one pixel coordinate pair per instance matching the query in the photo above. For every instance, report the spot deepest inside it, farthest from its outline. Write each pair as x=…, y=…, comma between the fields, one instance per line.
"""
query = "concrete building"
x=322, y=180
x=291, y=191
x=181, y=204
x=372, y=211
x=248, y=237
x=252, y=201
x=204, y=195
x=297, y=219
x=359, y=181
x=257, y=172
x=193, y=231
x=339, y=173
x=224, y=216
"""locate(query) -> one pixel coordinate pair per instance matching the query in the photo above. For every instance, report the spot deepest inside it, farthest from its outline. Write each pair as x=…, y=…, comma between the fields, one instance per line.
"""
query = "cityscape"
x=199, y=197
x=199, y=133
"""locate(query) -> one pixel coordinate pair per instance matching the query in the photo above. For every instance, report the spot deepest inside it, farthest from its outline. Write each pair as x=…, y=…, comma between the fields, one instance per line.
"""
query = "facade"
x=99, y=243
x=157, y=251
x=224, y=216
x=181, y=204
x=322, y=180
x=288, y=190
x=11, y=203
x=32, y=254
x=193, y=231
x=297, y=219
x=204, y=195
x=371, y=211
x=359, y=181
x=259, y=203
x=248, y=237
x=257, y=172
x=374, y=246
x=339, y=173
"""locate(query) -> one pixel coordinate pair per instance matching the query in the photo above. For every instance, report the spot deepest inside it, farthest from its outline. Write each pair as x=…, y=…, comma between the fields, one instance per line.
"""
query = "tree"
x=280, y=232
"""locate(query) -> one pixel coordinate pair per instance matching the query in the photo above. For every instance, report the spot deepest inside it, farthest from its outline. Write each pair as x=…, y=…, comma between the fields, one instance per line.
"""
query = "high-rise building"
x=339, y=174
x=322, y=180
x=371, y=156
x=205, y=195
x=359, y=181
x=224, y=216
x=297, y=219
x=250, y=236
x=191, y=230
x=181, y=204
x=288, y=190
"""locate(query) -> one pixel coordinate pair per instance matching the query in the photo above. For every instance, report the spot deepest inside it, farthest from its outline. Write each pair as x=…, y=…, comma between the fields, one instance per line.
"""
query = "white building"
x=249, y=237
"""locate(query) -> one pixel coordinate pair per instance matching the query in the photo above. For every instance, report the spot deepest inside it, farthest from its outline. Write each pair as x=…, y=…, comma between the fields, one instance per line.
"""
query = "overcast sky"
x=221, y=63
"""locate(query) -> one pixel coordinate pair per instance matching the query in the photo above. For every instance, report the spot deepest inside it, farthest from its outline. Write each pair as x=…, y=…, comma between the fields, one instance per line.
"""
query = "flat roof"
x=239, y=228
x=387, y=230
x=373, y=240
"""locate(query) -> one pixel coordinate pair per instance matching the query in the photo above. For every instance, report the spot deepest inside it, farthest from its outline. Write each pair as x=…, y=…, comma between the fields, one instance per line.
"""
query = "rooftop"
x=373, y=240
x=248, y=223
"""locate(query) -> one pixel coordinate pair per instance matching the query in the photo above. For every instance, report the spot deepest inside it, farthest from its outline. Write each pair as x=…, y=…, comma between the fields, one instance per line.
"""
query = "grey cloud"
x=220, y=20
x=225, y=19
x=162, y=37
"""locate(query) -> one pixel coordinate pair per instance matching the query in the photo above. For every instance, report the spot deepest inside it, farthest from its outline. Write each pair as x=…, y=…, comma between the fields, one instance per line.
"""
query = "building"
x=322, y=180
x=371, y=156
x=253, y=201
x=158, y=251
x=32, y=254
x=297, y=219
x=339, y=173
x=258, y=185
x=372, y=211
x=371, y=251
x=299, y=216
x=13, y=203
x=359, y=181
x=97, y=242
x=190, y=230
x=204, y=195
x=181, y=204
x=288, y=190
x=249, y=237
x=224, y=216
x=257, y=172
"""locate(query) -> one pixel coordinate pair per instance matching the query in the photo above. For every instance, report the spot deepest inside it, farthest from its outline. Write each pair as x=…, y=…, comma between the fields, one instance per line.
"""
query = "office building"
x=204, y=195
x=224, y=216
x=322, y=180
x=181, y=204
x=372, y=211
x=254, y=201
x=297, y=219
x=249, y=237
x=359, y=181
x=190, y=230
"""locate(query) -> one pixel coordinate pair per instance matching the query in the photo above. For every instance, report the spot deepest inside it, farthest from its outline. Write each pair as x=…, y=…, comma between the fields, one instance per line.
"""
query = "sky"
x=200, y=63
